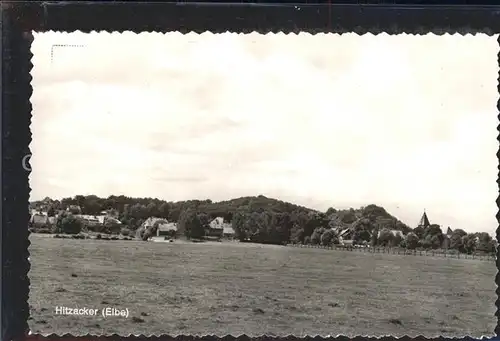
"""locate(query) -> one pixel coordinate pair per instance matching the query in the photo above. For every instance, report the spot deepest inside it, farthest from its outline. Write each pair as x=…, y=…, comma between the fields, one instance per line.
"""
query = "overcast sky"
x=405, y=122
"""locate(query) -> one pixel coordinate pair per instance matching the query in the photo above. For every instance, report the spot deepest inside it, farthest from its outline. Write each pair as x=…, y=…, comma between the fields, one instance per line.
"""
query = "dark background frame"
x=20, y=19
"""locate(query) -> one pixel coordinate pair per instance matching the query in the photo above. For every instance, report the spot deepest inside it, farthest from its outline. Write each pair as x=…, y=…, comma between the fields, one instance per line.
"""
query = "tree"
x=373, y=211
x=419, y=231
x=164, y=209
x=397, y=240
x=436, y=241
x=411, y=241
x=434, y=235
x=51, y=212
x=330, y=211
x=67, y=223
x=238, y=224
x=191, y=224
x=347, y=216
x=316, y=236
x=485, y=242
x=456, y=241
x=469, y=243
x=125, y=231
x=146, y=233
x=315, y=220
x=362, y=231
x=297, y=234
x=152, y=210
x=385, y=238
x=111, y=226
x=204, y=220
x=374, y=238
x=328, y=238
x=307, y=240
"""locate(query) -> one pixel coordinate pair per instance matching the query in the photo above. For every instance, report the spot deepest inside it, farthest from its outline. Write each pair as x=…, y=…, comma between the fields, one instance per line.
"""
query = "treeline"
x=266, y=220
x=134, y=211
x=431, y=237
x=257, y=219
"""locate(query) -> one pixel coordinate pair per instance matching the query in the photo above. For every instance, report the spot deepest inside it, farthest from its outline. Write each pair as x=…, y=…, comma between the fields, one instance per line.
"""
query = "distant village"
x=248, y=219
x=43, y=220
x=217, y=229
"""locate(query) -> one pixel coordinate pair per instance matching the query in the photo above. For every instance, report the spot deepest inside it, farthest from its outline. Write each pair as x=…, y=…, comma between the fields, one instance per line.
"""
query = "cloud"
x=324, y=120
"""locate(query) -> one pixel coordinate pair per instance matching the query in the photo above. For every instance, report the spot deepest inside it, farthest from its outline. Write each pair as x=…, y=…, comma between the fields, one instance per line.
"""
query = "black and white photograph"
x=263, y=184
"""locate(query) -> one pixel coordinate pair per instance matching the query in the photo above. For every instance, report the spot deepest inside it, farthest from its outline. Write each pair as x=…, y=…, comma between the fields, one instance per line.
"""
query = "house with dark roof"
x=216, y=227
x=346, y=237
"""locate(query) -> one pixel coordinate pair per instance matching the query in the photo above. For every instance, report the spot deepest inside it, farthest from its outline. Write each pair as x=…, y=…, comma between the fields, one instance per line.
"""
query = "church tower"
x=424, y=221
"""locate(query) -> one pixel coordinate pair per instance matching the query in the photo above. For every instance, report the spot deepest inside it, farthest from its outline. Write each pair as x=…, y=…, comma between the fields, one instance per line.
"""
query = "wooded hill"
x=251, y=216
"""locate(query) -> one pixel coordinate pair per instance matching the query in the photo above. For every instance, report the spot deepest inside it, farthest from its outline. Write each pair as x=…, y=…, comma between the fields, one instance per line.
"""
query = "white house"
x=228, y=231
x=394, y=233
x=166, y=229
x=150, y=222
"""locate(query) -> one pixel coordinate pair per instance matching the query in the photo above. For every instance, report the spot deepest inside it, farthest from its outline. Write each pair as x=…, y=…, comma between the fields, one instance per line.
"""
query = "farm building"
x=74, y=208
x=217, y=223
x=163, y=227
x=89, y=220
x=217, y=228
x=228, y=232
x=347, y=242
x=214, y=233
x=108, y=219
x=345, y=237
x=394, y=233
x=39, y=219
x=150, y=222
x=167, y=230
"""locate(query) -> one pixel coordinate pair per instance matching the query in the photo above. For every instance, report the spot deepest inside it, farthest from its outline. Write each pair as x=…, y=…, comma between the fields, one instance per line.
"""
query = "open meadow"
x=234, y=288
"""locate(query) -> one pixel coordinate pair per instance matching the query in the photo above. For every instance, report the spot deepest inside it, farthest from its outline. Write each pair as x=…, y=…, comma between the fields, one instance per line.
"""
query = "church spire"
x=424, y=221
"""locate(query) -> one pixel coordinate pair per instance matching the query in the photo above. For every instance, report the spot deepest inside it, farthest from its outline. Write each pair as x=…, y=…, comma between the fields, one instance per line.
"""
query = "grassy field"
x=233, y=288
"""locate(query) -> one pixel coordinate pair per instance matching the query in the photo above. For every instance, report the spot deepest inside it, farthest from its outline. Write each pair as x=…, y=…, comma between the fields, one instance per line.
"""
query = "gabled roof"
x=345, y=232
x=424, y=221
x=152, y=220
x=217, y=223
x=87, y=217
x=449, y=231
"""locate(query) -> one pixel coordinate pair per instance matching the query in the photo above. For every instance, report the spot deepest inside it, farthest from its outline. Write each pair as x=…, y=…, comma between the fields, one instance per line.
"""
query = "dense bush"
x=329, y=238
x=126, y=231
x=69, y=224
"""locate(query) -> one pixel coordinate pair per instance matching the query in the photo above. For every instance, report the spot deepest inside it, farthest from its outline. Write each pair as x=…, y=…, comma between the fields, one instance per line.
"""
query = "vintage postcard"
x=258, y=184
